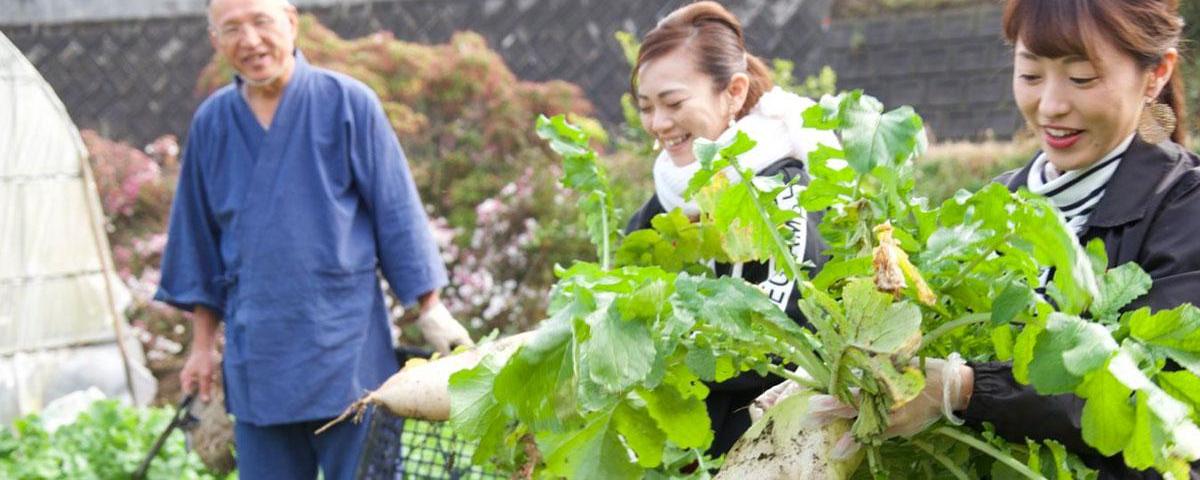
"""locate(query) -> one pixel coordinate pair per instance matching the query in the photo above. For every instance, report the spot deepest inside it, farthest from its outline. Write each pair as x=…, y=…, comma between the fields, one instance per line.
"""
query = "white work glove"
x=943, y=393
x=770, y=397
x=441, y=330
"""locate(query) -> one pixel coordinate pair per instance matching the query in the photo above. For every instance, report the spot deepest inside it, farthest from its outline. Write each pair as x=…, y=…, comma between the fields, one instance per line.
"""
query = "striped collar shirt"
x=1076, y=192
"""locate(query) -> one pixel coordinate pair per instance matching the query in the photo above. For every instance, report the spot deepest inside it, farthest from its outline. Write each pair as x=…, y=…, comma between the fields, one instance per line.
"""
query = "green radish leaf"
x=474, y=411
x=1163, y=435
x=582, y=174
x=865, y=305
x=1098, y=256
x=895, y=333
x=593, y=452
x=1108, y=415
x=1175, y=333
x=1054, y=244
x=1013, y=300
x=750, y=236
x=1003, y=342
x=690, y=242
x=838, y=270
x=1119, y=287
x=872, y=138
x=825, y=115
x=1183, y=386
x=1069, y=349
x=902, y=386
x=641, y=433
x=536, y=380
x=829, y=185
x=1062, y=468
x=703, y=363
x=1146, y=439
x=678, y=409
x=644, y=248
x=732, y=306
x=619, y=352
x=714, y=158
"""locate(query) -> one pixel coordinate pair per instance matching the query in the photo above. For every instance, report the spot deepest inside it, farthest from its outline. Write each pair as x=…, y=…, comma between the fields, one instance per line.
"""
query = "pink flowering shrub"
x=490, y=185
x=501, y=275
x=136, y=188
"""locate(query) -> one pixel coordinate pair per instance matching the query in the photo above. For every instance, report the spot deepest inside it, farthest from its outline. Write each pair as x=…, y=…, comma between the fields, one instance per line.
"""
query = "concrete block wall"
x=129, y=70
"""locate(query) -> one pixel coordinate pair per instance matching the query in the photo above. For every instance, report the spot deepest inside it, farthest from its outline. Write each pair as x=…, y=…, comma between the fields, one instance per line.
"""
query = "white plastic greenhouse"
x=60, y=300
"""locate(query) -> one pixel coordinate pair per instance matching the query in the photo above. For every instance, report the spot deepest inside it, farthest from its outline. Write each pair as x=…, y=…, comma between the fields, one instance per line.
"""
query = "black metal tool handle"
x=181, y=416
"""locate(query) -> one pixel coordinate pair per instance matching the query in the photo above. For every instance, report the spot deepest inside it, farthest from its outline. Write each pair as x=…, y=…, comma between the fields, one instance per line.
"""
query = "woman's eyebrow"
x=661, y=94
x=1074, y=58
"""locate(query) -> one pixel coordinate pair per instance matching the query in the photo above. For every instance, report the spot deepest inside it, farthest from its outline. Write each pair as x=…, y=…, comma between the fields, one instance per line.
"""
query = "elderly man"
x=293, y=191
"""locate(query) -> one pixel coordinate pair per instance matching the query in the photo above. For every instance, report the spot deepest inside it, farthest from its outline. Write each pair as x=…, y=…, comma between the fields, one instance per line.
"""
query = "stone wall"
x=953, y=67
x=133, y=76
x=49, y=12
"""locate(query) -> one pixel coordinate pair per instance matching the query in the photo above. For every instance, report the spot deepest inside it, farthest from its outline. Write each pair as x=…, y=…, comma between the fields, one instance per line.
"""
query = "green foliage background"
x=1190, y=10
x=108, y=441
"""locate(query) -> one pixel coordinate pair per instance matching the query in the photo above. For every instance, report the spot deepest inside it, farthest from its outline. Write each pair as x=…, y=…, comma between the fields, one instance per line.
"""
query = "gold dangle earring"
x=1157, y=122
x=657, y=144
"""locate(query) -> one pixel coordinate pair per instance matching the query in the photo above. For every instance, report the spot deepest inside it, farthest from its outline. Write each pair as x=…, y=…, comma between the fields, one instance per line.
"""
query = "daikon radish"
x=782, y=445
x=421, y=389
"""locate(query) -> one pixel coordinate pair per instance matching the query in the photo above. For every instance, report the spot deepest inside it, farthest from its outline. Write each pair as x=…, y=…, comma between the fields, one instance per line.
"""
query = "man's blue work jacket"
x=281, y=230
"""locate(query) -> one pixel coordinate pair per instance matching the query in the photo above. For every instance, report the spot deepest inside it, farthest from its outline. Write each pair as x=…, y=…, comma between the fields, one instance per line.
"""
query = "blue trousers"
x=292, y=452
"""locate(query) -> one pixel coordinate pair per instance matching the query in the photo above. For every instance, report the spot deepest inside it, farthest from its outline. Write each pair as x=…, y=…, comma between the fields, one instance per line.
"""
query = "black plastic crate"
x=410, y=449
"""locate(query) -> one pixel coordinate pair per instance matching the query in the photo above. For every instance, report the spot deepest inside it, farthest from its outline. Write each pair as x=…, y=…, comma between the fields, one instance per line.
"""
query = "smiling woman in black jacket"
x=1097, y=80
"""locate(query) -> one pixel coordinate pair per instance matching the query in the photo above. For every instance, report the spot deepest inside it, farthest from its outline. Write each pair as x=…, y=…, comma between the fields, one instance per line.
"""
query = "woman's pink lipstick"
x=1061, y=143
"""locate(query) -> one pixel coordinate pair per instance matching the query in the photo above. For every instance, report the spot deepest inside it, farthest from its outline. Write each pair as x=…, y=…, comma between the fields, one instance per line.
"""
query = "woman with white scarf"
x=694, y=79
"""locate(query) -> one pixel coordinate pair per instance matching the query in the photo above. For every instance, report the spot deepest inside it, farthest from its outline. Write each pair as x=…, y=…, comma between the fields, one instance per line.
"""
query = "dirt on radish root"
x=782, y=446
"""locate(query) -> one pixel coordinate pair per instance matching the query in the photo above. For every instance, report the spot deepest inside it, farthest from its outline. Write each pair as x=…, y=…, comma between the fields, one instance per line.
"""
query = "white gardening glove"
x=943, y=394
x=779, y=392
x=770, y=397
x=441, y=330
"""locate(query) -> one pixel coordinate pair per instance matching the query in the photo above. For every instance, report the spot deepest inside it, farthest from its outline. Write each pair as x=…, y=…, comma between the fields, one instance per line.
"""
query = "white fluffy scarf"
x=775, y=123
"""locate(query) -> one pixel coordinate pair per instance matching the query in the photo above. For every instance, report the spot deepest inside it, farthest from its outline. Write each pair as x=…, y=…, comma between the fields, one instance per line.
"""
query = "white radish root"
x=421, y=389
x=781, y=445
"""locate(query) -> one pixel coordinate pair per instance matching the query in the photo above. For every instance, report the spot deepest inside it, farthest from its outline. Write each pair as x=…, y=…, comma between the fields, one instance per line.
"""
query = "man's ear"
x=293, y=20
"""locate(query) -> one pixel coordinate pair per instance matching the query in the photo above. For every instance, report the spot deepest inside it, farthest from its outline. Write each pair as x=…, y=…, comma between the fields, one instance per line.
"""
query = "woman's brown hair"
x=714, y=36
x=1142, y=29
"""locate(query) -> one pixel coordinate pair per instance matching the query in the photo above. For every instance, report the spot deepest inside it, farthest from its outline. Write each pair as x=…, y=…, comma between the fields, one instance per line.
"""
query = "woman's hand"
x=779, y=392
x=770, y=397
x=948, y=385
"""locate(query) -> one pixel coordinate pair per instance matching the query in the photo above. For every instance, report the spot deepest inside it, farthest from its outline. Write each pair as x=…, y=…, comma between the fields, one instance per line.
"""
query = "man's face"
x=256, y=36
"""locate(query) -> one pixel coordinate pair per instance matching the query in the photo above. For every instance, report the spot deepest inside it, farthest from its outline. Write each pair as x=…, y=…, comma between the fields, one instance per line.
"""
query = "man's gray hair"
x=212, y=24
